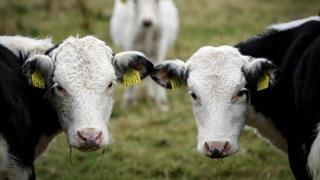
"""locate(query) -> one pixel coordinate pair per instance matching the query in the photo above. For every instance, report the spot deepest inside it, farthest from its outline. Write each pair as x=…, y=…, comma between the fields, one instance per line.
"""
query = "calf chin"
x=86, y=141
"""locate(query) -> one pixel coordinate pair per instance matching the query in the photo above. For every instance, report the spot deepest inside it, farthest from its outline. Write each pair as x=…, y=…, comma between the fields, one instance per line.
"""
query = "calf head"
x=219, y=80
x=146, y=12
x=79, y=76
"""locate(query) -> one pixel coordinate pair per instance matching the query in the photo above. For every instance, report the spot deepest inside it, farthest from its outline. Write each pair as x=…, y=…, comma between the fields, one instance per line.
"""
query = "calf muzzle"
x=90, y=139
x=216, y=149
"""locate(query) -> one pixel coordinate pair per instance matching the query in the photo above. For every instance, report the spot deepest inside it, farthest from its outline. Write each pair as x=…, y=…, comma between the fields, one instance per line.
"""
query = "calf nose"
x=90, y=138
x=217, y=149
x=147, y=23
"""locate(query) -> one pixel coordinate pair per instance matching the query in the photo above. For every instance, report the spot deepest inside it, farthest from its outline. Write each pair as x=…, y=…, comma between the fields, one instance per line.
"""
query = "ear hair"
x=167, y=71
x=41, y=64
x=256, y=69
x=124, y=61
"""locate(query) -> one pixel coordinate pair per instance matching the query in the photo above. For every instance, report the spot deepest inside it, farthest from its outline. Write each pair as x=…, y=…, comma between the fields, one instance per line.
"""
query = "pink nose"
x=217, y=149
x=89, y=139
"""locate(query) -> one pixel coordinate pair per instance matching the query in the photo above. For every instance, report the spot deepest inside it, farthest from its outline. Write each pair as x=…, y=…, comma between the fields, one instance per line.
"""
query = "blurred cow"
x=47, y=88
x=149, y=26
x=231, y=86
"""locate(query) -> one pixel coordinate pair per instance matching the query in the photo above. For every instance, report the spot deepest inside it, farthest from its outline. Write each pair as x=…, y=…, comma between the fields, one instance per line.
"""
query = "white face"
x=217, y=78
x=83, y=82
x=147, y=12
x=79, y=76
x=217, y=87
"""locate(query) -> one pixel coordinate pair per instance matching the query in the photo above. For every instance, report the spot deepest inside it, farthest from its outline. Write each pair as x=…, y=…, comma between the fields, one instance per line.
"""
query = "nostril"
x=217, y=149
x=216, y=153
x=226, y=145
x=147, y=23
x=98, y=136
x=206, y=146
x=207, y=149
x=81, y=136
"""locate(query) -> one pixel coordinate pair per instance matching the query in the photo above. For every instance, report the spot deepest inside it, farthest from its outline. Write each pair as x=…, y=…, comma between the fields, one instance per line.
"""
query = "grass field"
x=148, y=144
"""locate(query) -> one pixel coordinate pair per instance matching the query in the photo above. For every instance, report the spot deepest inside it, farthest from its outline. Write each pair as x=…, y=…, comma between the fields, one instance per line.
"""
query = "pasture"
x=147, y=143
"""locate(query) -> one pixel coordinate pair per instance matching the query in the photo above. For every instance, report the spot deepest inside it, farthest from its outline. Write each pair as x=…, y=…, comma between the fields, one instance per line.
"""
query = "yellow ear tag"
x=131, y=77
x=37, y=80
x=175, y=84
x=263, y=82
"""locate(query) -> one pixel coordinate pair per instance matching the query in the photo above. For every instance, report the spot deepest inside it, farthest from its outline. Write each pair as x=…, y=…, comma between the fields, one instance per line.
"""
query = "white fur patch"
x=83, y=69
x=26, y=45
x=43, y=144
x=3, y=158
x=266, y=129
x=293, y=24
x=215, y=76
x=16, y=172
x=9, y=169
x=177, y=62
x=314, y=157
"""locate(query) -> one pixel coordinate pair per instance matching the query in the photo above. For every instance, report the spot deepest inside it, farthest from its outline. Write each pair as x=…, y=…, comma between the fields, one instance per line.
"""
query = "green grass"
x=148, y=144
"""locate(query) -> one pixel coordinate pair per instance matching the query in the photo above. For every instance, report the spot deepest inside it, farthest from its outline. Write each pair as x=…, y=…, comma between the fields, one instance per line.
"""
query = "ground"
x=146, y=143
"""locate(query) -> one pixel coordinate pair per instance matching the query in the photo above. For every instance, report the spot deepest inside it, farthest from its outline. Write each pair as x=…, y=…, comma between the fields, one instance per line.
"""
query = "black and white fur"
x=31, y=117
x=223, y=80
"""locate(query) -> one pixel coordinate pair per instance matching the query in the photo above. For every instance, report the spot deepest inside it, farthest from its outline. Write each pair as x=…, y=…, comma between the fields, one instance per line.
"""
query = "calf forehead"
x=85, y=62
x=216, y=67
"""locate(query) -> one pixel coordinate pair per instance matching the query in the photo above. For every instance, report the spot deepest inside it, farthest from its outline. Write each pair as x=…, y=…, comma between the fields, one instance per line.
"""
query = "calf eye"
x=242, y=92
x=110, y=85
x=239, y=95
x=59, y=88
x=193, y=95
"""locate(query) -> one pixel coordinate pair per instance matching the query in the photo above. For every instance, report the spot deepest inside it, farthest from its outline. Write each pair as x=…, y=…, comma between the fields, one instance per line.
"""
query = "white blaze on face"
x=215, y=79
x=77, y=77
x=83, y=73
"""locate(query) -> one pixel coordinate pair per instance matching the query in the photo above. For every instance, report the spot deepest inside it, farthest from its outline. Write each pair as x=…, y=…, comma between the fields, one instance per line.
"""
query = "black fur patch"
x=25, y=114
x=293, y=104
x=30, y=67
x=255, y=74
x=51, y=49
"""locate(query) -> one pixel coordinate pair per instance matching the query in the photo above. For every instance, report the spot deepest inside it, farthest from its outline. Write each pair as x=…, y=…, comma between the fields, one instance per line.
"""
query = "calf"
x=234, y=85
x=47, y=88
x=149, y=26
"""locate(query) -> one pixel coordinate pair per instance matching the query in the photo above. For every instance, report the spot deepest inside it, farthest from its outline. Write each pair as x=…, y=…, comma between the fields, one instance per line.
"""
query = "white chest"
x=43, y=144
x=266, y=129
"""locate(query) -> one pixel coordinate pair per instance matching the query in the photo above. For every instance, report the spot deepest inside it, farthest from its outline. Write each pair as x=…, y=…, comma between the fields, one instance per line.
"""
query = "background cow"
x=149, y=26
x=231, y=86
x=47, y=88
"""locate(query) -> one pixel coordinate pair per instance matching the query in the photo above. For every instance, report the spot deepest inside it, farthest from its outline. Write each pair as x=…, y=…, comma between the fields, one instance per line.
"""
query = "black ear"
x=260, y=73
x=125, y=62
x=170, y=74
x=38, y=69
